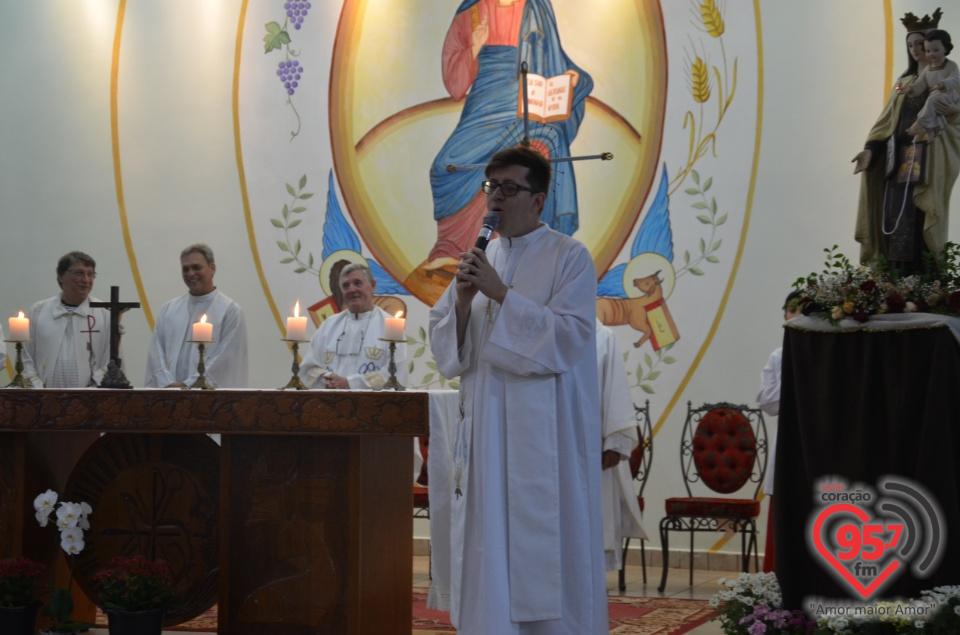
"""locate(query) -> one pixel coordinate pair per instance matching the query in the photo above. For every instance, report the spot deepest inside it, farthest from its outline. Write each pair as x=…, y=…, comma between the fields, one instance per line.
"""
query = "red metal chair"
x=723, y=448
x=640, y=460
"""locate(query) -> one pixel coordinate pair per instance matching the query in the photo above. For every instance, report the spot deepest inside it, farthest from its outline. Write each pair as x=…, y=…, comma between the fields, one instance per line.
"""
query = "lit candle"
x=393, y=330
x=19, y=328
x=296, y=325
x=203, y=330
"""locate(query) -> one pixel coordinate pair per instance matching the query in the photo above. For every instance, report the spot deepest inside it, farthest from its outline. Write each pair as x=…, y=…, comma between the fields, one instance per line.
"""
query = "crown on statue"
x=913, y=23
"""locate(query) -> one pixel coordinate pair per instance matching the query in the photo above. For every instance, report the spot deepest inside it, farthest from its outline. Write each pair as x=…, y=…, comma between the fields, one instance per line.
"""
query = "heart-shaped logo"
x=851, y=538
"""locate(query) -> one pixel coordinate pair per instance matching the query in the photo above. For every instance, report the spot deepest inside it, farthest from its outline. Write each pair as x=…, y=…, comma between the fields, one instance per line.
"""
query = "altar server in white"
x=70, y=341
x=621, y=512
x=518, y=327
x=172, y=361
x=347, y=351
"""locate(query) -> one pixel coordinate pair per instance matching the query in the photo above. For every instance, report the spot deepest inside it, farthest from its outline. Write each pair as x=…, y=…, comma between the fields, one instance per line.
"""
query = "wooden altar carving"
x=298, y=523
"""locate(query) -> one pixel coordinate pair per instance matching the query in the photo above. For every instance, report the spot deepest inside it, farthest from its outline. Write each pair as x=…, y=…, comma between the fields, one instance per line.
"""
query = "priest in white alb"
x=517, y=327
x=69, y=343
x=173, y=358
x=347, y=351
x=621, y=511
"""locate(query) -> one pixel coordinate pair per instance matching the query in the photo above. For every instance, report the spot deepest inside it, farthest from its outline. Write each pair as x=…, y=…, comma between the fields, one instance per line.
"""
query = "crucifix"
x=115, y=377
x=91, y=322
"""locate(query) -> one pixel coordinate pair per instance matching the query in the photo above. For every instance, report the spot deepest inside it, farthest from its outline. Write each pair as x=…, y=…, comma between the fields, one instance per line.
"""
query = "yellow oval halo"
x=646, y=265
x=332, y=259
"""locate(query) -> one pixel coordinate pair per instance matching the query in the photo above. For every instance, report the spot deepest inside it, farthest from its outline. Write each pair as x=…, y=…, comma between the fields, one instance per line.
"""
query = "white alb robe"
x=621, y=512
x=3, y=349
x=769, y=401
x=526, y=535
x=349, y=345
x=49, y=321
x=173, y=358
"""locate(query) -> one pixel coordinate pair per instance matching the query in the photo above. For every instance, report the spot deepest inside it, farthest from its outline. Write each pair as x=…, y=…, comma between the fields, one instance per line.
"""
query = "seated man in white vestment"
x=172, y=361
x=70, y=340
x=518, y=328
x=347, y=351
x=621, y=512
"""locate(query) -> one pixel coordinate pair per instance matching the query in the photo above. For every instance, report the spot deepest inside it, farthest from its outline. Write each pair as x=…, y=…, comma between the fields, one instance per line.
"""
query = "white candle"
x=19, y=328
x=203, y=330
x=296, y=325
x=393, y=330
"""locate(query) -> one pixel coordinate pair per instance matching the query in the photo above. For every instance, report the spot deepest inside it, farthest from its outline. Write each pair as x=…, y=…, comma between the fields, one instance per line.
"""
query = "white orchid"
x=68, y=515
x=43, y=504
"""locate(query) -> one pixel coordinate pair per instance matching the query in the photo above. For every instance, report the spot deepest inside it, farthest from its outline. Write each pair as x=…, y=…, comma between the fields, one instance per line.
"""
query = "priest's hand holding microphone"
x=474, y=271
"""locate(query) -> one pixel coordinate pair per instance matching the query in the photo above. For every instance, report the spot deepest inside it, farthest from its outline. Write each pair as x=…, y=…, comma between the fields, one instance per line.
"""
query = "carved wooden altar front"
x=299, y=522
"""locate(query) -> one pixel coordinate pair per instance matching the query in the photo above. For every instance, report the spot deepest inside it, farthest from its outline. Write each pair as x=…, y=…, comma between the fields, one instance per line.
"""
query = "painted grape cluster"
x=289, y=73
x=296, y=12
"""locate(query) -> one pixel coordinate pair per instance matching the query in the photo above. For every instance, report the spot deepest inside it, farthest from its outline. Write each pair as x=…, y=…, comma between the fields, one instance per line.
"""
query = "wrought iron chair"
x=640, y=460
x=723, y=448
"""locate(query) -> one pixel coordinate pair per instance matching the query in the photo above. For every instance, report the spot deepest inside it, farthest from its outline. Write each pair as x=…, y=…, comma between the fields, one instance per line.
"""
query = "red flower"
x=895, y=303
x=954, y=300
x=860, y=315
x=868, y=286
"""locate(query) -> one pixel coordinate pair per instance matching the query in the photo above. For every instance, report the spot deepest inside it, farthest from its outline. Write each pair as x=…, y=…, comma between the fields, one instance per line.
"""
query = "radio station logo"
x=866, y=538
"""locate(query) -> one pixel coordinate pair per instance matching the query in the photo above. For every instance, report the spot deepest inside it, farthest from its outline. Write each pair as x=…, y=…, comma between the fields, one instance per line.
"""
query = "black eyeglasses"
x=508, y=189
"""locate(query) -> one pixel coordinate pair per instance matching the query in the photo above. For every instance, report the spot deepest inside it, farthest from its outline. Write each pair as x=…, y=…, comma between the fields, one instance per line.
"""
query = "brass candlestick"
x=295, y=382
x=18, y=380
x=201, y=383
x=392, y=368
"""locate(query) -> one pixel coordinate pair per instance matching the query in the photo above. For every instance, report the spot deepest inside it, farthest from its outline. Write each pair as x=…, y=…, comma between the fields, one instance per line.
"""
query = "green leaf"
x=695, y=176
x=455, y=385
x=294, y=223
x=287, y=260
x=303, y=181
x=286, y=212
x=310, y=263
x=428, y=378
x=696, y=271
x=699, y=205
x=299, y=210
x=290, y=190
x=296, y=248
x=648, y=360
x=299, y=269
x=276, y=222
x=410, y=368
x=722, y=220
x=713, y=206
x=432, y=365
x=716, y=245
x=692, y=191
x=275, y=38
x=423, y=334
x=420, y=352
x=686, y=257
x=669, y=360
x=283, y=246
x=703, y=245
x=653, y=375
x=707, y=184
x=639, y=370
x=304, y=197
x=647, y=389
x=706, y=220
x=713, y=259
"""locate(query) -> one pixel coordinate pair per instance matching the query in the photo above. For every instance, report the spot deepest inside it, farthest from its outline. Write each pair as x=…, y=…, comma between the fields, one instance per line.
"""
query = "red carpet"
x=628, y=616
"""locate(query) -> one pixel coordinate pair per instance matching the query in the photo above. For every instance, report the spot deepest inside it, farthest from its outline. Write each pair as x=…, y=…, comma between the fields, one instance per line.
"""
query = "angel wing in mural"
x=634, y=293
x=341, y=246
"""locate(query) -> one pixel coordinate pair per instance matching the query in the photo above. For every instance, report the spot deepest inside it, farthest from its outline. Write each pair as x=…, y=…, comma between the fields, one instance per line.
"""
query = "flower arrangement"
x=72, y=519
x=135, y=584
x=752, y=605
x=843, y=290
x=21, y=582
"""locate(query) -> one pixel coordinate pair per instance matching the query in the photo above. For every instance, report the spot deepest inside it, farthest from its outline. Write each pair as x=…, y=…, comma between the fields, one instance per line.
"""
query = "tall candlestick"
x=203, y=330
x=393, y=329
x=19, y=328
x=296, y=325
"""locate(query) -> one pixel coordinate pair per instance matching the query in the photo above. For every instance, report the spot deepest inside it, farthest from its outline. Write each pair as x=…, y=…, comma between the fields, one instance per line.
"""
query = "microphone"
x=490, y=222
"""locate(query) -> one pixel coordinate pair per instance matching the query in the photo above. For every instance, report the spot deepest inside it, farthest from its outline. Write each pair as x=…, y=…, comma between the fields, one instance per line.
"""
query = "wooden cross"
x=115, y=377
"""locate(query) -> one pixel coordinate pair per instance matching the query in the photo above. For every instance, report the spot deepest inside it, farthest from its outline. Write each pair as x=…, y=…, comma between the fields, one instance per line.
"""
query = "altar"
x=298, y=523
x=861, y=404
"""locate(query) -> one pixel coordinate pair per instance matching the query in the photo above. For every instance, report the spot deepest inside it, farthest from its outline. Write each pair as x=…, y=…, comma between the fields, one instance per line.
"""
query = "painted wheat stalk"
x=712, y=18
x=699, y=81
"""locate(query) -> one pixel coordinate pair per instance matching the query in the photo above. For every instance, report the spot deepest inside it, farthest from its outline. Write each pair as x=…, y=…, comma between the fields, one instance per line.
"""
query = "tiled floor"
x=704, y=587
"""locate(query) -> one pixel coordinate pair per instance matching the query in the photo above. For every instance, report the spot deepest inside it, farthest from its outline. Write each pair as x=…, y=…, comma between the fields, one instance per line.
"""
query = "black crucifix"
x=115, y=377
